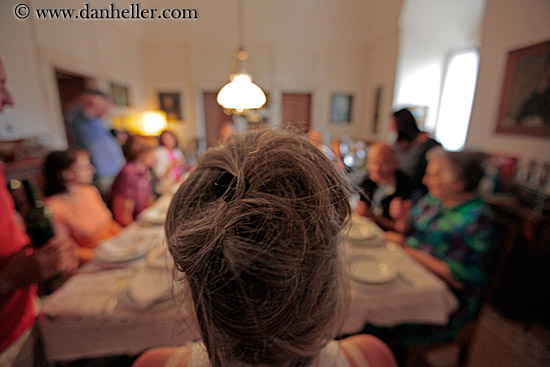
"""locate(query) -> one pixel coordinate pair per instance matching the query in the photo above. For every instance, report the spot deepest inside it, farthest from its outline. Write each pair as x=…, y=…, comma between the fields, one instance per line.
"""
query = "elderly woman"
x=255, y=230
x=451, y=234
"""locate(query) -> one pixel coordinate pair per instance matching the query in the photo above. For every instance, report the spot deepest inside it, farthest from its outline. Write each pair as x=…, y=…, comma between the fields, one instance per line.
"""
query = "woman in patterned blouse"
x=450, y=231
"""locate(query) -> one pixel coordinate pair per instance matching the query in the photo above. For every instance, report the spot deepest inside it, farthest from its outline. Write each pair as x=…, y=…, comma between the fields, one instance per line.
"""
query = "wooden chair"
x=417, y=355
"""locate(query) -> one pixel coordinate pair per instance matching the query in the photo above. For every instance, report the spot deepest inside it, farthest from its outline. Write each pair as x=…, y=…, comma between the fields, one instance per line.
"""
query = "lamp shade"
x=241, y=94
x=152, y=122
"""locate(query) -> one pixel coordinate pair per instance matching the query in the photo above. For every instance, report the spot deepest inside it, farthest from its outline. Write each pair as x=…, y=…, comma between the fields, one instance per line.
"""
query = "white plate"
x=125, y=247
x=372, y=271
x=152, y=216
x=360, y=232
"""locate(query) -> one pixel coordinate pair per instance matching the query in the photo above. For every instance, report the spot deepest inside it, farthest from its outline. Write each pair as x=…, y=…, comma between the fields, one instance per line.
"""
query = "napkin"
x=149, y=287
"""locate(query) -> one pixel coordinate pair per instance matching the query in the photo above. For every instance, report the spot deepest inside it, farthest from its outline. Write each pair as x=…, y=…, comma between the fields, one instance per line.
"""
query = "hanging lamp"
x=241, y=93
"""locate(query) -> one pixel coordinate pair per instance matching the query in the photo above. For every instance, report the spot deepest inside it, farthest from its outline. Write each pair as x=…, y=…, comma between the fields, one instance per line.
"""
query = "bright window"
x=456, y=100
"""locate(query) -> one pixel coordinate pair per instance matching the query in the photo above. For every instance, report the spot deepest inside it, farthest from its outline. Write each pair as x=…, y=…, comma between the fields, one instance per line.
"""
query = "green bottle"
x=38, y=218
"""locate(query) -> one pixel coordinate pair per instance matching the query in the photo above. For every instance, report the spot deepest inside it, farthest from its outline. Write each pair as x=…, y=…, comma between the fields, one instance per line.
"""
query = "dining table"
x=386, y=286
x=126, y=300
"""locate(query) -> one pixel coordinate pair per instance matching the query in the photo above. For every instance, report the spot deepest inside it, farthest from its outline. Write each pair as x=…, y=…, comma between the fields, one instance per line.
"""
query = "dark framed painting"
x=525, y=99
x=340, y=108
x=119, y=94
x=170, y=103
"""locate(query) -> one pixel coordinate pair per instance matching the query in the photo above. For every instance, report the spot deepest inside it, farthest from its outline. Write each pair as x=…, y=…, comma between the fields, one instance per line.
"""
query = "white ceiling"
x=314, y=23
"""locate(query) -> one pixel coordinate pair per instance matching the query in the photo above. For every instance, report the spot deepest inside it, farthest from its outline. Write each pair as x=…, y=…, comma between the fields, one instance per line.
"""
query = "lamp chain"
x=241, y=25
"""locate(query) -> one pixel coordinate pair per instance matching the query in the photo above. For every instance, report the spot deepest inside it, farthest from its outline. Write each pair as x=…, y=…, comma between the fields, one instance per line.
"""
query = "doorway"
x=218, y=125
x=296, y=112
x=70, y=86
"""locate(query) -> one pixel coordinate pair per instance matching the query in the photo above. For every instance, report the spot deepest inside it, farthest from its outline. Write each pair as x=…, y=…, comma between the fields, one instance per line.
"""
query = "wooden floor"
x=500, y=342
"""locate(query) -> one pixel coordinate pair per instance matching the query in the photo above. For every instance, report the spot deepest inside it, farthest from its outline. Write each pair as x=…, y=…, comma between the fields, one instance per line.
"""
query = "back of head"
x=136, y=145
x=467, y=165
x=255, y=230
x=405, y=123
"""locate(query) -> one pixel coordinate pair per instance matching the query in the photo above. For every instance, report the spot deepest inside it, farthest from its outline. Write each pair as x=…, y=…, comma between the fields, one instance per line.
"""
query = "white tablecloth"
x=416, y=295
x=91, y=317
x=85, y=319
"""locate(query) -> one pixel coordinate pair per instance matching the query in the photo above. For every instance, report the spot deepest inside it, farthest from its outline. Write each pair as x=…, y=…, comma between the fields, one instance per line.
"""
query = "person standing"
x=412, y=146
x=87, y=131
x=21, y=268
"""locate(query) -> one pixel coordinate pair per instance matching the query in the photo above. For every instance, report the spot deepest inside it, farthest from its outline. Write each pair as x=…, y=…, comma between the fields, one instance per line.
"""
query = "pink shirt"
x=134, y=182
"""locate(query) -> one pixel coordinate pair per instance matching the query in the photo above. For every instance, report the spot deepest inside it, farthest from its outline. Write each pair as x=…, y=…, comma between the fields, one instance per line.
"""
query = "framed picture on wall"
x=525, y=99
x=420, y=113
x=119, y=93
x=170, y=104
x=377, y=109
x=340, y=108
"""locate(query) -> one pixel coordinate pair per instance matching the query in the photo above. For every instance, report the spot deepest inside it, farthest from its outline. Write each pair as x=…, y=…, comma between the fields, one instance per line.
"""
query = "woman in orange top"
x=77, y=205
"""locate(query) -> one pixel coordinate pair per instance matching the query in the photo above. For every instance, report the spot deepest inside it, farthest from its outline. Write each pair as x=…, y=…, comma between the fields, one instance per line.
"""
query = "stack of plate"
x=126, y=247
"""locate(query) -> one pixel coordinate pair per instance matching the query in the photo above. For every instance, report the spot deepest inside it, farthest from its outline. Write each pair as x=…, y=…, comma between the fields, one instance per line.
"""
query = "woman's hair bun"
x=255, y=230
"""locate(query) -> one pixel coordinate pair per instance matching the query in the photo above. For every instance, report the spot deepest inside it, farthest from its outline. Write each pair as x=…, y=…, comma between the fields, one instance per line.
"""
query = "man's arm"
x=24, y=269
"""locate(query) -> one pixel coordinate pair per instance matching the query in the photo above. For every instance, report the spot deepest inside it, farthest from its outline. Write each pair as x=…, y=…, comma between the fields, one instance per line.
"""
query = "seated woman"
x=383, y=183
x=170, y=164
x=132, y=189
x=254, y=230
x=451, y=233
x=77, y=206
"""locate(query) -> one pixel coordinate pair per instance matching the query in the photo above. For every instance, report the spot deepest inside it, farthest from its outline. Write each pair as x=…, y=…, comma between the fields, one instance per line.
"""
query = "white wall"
x=430, y=31
x=26, y=80
x=315, y=47
x=508, y=25
x=32, y=49
x=318, y=48
x=380, y=65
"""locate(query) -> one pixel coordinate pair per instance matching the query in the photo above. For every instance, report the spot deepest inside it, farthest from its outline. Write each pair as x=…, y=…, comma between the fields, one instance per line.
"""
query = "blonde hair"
x=261, y=256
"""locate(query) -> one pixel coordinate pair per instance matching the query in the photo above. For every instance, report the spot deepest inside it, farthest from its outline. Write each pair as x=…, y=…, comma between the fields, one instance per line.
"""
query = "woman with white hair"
x=450, y=231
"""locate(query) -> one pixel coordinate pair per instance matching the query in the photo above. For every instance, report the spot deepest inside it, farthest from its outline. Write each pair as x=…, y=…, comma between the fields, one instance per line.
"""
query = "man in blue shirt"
x=86, y=130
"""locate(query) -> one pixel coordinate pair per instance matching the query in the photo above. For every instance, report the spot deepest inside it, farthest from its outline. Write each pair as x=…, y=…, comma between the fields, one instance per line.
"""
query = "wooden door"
x=70, y=87
x=218, y=124
x=296, y=112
